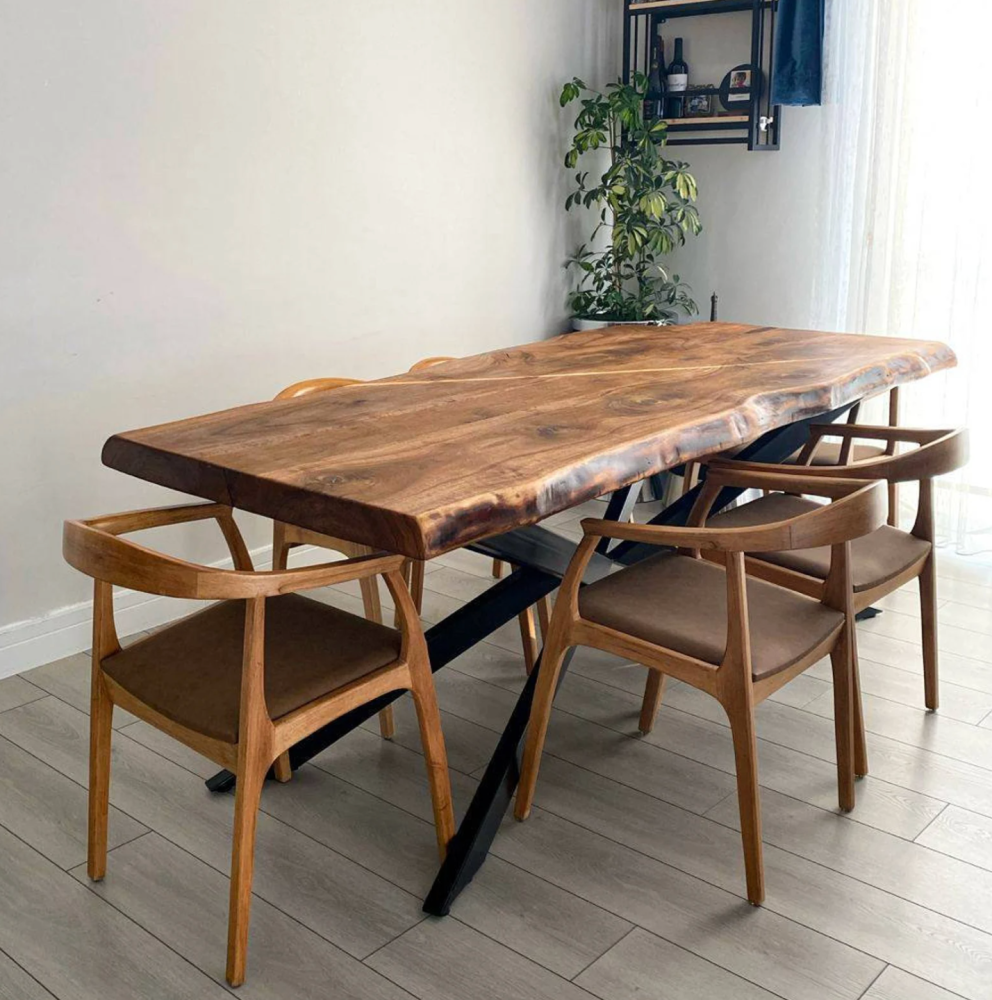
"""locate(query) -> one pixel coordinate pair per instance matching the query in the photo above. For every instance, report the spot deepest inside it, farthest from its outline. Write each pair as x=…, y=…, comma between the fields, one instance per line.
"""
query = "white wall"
x=202, y=202
x=761, y=210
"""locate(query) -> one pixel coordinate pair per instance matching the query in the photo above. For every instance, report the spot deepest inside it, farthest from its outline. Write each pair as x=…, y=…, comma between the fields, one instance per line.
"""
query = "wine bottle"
x=654, y=101
x=678, y=81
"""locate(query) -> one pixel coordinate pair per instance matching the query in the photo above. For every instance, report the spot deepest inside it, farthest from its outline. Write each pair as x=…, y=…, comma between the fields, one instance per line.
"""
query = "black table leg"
x=470, y=844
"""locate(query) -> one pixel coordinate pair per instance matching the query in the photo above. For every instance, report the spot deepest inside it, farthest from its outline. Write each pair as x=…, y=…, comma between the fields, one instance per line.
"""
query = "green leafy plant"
x=644, y=204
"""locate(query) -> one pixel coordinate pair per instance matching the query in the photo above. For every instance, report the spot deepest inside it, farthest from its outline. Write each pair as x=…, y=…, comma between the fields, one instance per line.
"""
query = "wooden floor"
x=626, y=882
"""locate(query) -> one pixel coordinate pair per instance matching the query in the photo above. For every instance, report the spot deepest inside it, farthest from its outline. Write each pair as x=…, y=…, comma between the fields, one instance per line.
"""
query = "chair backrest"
x=95, y=548
x=937, y=453
x=429, y=362
x=309, y=385
x=857, y=509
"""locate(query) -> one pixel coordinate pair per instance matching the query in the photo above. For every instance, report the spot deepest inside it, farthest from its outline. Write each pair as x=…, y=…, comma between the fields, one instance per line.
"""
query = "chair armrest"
x=157, y=517
x=288, y=581
x=858, y=508
x=869, y=432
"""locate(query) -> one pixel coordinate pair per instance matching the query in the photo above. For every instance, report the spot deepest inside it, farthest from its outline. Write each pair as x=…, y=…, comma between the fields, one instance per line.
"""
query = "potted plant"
x=644, y=204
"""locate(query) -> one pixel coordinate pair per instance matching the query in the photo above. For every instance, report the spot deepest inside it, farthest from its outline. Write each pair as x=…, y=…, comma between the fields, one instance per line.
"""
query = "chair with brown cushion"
x=248, y=677
x=737, y=638
x=528, y=632
x=288, y=536
x=883, y=561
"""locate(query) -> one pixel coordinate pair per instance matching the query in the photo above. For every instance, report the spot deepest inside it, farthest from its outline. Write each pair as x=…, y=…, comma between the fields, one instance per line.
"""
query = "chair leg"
x=435, y=755
x=528, y=638
x=247, y=796
x=101, y=729
x=417, y=584
x=928, y=612
x=280, y=549
x=282, y=768
x=498, y=569
x=748, y=799
x=843, y=677
x=653, y=691
x=544, y=617
x=537, y=727
x=860, y=743
x=373, y=612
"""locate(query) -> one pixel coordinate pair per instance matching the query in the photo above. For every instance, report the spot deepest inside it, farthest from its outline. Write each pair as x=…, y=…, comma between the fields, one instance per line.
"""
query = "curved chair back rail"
x=95, y=548
x=937, y=453
x=858, y=508
x=309, y=385
x=430, y=362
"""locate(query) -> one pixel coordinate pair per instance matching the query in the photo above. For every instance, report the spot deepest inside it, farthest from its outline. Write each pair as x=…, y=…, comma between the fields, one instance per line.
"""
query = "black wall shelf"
x=759, y=129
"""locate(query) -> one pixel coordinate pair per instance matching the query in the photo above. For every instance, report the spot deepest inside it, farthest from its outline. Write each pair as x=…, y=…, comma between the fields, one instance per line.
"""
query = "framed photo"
x=698, y=105
x=737, y=88
x=740, y=79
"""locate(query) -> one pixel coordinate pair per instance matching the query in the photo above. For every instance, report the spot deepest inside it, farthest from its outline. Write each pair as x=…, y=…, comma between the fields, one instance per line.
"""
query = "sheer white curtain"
x=906, y=222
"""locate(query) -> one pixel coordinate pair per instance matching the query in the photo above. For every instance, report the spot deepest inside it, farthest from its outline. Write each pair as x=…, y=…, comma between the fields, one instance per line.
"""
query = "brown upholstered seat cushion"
x=828, y=453
x=190, y=672
x=681, y=603
x=875, y=558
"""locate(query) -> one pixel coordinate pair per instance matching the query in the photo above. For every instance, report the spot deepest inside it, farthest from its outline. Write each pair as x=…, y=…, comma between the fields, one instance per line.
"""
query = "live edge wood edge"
x=507, y=438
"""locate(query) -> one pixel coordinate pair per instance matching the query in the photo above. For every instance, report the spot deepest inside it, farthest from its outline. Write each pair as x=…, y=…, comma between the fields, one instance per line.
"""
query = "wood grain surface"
x=427, y=461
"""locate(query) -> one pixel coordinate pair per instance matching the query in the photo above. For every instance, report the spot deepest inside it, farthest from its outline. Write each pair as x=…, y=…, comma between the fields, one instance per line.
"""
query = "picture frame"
x=737, y=88
x=699, y=104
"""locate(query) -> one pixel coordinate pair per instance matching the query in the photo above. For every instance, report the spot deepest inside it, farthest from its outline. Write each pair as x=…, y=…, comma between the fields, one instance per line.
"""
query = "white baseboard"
x=68, y=630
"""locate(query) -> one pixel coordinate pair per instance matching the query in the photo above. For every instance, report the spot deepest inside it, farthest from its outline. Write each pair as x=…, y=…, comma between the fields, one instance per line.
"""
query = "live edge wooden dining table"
x=478, y=450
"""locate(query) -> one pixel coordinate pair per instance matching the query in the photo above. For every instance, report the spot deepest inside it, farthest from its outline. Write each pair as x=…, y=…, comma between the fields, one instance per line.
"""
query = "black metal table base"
x=541, y=558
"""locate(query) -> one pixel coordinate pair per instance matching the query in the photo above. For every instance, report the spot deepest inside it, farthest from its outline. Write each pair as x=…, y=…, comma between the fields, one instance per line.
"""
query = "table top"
x=424, y=462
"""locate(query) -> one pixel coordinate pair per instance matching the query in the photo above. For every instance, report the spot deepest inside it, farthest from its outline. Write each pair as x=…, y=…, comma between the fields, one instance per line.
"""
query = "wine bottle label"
x=678, y=81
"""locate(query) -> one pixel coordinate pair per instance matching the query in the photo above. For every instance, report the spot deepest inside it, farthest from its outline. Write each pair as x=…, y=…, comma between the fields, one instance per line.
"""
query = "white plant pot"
x=579, y=324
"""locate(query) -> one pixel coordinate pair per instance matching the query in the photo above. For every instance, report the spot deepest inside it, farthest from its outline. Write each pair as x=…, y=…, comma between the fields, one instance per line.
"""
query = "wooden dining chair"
x=881, y=562
x=739, y=639
x=243, y=680
x=288, y=536
x=528, y=631
x=826, y=453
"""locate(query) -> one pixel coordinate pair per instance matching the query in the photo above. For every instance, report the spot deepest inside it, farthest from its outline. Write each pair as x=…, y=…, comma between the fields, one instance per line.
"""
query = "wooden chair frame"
x=858, y=508
x=937, y=452
x=95, y=548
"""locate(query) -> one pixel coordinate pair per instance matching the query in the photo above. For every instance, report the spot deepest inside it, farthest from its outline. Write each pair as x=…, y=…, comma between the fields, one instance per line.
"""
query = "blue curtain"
x=797, y=58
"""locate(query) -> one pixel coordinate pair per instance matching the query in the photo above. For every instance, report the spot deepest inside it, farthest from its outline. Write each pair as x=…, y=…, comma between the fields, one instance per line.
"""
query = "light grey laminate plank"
x=707, y=740
x=183, y=902
x=48, y=810
x=894, y=984
x=342, y=901
x=906, y=685
x=16, y=691
x=961, y=671
x=909, y=870
x=917, y=727
x=69, y=680
x=16, y=984
x=170, y=748
x=962, y=834
x=77, y=946
x=446, y=960
x=900, y=932
x=646, y=967
x=540, y=921
x=755, y=943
